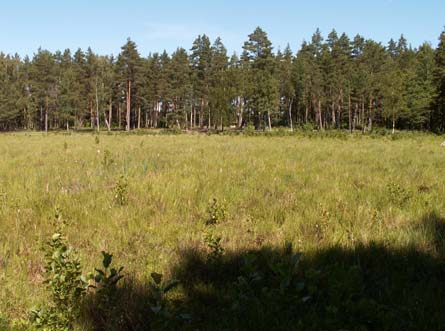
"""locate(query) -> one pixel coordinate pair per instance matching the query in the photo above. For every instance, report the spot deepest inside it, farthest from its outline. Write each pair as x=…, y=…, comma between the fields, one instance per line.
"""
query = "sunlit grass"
x=314, y=193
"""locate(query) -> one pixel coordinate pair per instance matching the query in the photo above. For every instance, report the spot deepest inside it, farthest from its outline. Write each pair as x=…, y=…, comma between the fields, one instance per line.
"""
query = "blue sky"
x=158, y=25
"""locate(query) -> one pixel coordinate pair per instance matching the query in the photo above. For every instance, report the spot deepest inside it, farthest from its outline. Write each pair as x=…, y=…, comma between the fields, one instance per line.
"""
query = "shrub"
x=213, y=243
x=107, y=160
x=398, y=195
x=66, y=285
x=120, y=191
x=104, y=292
x=216, y=213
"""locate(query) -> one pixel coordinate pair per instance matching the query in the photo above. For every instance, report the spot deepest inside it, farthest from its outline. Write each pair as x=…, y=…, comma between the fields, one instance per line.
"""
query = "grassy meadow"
x=367, y=214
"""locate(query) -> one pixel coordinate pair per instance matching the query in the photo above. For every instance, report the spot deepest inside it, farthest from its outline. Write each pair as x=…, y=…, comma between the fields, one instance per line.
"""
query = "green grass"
x=327, y=197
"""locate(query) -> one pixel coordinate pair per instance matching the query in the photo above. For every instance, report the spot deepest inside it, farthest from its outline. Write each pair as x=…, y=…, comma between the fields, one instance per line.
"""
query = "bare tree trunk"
x=290, y=115
x=191, y=117
x=97, y=109
x=91, y=114
x=110, y=115
x=339, y=108
x=354, y=122
x=240, y=120
x=46, y=114
x=107, y=120
x=393, y=123
x=350, y=113
x=269, y=123
x=41, y=117
x=320, y=119
x=370, y=114
x=119, y=115
x=240, y=105
x=139, y=117
x=210, y=124
x=127, y=127
x=334, y=121
x=363, y=116
x=201, y=112
x=156, y=115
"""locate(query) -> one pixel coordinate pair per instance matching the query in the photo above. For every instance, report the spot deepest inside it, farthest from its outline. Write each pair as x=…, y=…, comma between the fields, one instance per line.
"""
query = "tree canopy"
x=333, y=83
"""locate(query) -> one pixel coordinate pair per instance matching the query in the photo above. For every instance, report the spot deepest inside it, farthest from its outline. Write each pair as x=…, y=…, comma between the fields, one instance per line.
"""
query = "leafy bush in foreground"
x=66, y=285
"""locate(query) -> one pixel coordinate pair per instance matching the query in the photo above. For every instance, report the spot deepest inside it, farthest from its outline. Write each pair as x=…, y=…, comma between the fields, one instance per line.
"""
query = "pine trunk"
x=46, y=114
x=210, y=124
x=240, y=113
x=127, y=127
x=363, y=116
x=393, y=123
x=91, y=114
x=354, y=120
x=191, y=117
x=110, y=115
x=97, y=110
x=349, y=112
x=201, y=112
x=320, y=119
x=370, y=114
x=290, y=115
x=119, y=115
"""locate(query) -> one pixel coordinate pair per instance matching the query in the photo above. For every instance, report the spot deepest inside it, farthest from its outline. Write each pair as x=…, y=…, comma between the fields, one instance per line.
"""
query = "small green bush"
x=120, y=192
x=66, y=285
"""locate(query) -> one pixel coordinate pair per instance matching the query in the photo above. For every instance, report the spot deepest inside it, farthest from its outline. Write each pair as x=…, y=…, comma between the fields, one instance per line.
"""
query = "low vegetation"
x=299, y=231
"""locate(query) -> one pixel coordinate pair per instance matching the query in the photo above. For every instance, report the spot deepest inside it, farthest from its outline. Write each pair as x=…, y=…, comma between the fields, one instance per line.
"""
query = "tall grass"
x=313, y=193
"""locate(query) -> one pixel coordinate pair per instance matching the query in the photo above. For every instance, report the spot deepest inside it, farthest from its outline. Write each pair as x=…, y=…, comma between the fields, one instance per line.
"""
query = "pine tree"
x=287, y=84
x=419, y=88
x=394, y=102
x=91, y=87
x=439, y=79
x=44, y=84
x=200, y=57
x=151, y=92
x=80, y=74
x=219, y=96
x=69, y=90
x=105, y=89
x=129, y=69
x=164, y=86
x=264, y=95
x=179, y=90
x=316, y=76
x=373, y=69
x=236, y=81
x=25, y=101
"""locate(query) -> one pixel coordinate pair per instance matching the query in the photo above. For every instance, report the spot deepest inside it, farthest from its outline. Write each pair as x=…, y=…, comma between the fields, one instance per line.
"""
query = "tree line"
x=332, y=83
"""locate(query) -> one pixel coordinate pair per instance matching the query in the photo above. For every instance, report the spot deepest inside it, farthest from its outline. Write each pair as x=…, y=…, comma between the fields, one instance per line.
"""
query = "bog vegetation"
x=299, y=231
x=333, y=83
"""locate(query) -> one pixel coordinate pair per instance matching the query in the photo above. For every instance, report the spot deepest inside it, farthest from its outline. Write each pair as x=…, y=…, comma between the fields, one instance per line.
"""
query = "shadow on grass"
x=368, y=287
